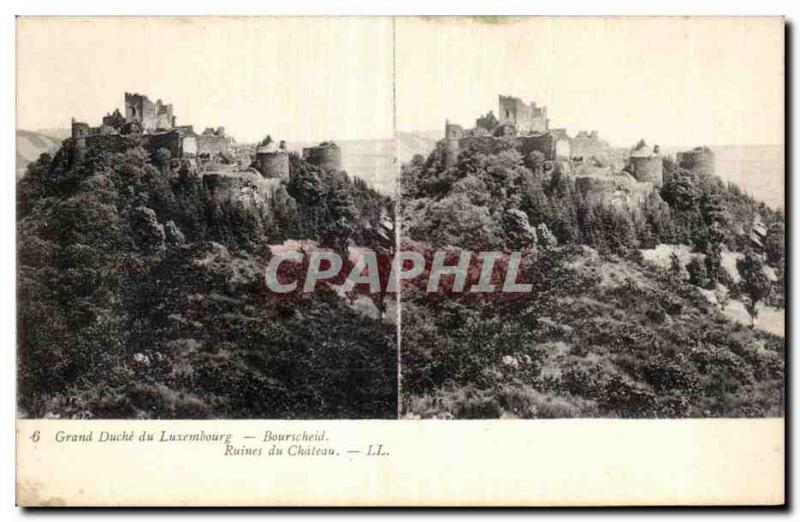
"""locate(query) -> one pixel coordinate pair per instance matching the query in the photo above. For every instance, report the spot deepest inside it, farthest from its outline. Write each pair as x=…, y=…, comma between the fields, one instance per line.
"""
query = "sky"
x=673, y=81
x=298, y=79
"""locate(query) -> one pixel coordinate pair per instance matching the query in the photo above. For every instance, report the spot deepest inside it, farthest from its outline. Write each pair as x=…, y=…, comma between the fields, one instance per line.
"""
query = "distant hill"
x=31, y=145
x=415, y=143
x=58, y=134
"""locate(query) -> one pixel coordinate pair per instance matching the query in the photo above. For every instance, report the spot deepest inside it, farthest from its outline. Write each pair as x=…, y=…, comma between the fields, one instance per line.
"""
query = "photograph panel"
x=598, y=205
x=175, y=179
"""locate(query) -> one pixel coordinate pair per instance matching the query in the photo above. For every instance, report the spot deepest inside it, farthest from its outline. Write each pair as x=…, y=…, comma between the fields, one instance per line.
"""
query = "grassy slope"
x=605, y=337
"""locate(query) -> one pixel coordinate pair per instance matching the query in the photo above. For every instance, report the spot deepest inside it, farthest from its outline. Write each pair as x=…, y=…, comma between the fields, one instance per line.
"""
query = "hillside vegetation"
x=141, y=295
x=604, y=333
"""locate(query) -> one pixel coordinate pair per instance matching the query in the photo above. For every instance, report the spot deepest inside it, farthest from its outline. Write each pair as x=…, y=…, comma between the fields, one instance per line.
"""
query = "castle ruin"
x=525, y=118
x=529, y=127
x=587, y=144
x=150, y=116
x=596, y=167
x=152, y=124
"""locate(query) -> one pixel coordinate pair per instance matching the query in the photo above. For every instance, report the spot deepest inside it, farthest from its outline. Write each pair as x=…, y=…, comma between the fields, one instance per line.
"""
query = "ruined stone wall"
x=539, y=121
x=164, y=121
x=139, y=108
x=587, y=145
x=544, y=143
x=151, y=116
x=172, y=141
x=115, y=119
x=525, y=118
x=190, y=145
x=515, y=112
x=563, y=149
x=212, y=144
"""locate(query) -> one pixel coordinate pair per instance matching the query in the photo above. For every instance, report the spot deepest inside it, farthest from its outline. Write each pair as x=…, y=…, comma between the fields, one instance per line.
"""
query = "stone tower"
x=326, y=155
x=699, y=160
x=452, y=134
x=647, y=165
x=525, y=118
x=272, y=162
x=151, y=116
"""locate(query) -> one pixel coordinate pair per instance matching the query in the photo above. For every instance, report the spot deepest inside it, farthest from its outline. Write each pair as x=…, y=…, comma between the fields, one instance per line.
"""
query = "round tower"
x=79, y=132
x=326, y=155
x=272, y=164
x=452, y=134
x=646, y=165
x=699, y=160
x=648, y=169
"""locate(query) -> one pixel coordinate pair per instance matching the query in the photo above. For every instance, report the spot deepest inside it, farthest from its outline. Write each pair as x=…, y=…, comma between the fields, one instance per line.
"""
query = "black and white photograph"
x=642, y=188
x=173, y=161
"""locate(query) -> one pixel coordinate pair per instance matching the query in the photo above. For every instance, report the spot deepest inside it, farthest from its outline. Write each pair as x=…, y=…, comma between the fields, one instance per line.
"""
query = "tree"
x=775, y=243
x=697, y=273
x=518, y=232
x=488, y=121
x=163, y=156
x=147, y=232
x=680, y=191
x=713, y=263
x=755, y=284
x=535, y=161
x=675, y=266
